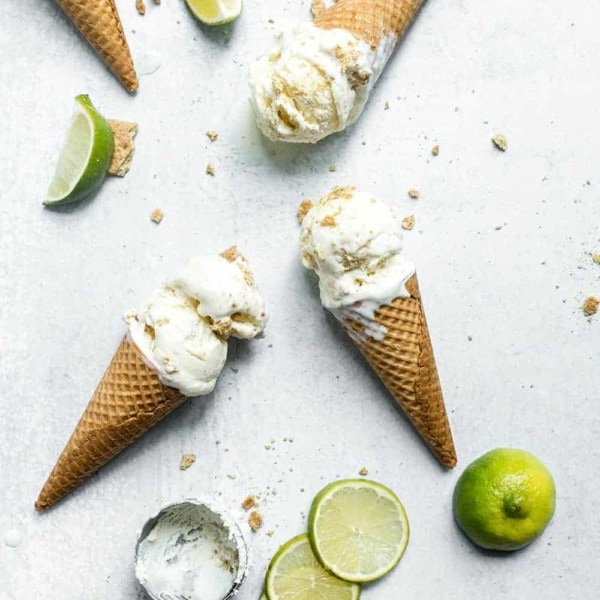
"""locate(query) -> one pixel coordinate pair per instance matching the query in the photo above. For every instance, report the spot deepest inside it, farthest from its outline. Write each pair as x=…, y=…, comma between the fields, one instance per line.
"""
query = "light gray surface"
x=517, y=357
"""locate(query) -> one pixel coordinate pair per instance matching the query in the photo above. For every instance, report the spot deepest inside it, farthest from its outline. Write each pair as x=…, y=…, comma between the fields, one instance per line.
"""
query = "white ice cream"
x=190, y=552
x=353, y=241
x=183, y=328
x=312, y=83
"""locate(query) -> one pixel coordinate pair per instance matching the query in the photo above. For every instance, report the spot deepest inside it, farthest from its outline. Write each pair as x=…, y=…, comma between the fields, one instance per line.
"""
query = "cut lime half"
x=358, y=529
x=85, y=155
x=295, y=574
x=215, y=12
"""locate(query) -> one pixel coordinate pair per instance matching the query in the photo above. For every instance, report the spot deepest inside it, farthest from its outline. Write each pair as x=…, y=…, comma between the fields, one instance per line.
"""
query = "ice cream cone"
x=405, y=363
x=369, y=20
x=129, y=400
x=99, y=22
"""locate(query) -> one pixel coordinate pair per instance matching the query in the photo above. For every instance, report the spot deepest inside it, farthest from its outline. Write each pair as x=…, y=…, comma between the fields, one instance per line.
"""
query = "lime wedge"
x=358, y=529
x=295, y=574
x=263, y=596
x=215, y=12
x=85, y=155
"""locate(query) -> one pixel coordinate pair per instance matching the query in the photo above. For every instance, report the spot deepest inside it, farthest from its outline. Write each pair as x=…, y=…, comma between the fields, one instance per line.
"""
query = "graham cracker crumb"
x=140, y=6
x=255, y=520
x=157, y=2
x=249, y=502
x=303, y=209
x=408, y=222
x=333, y=168
x=435, y=150
x=187, y=460
x=590, y=306
x=123, y=132
x=596, y=258
x=231, y=254
x=414, y=194
x=157, y=215
x=213, y=136
x=210, y=170
x=270, y=20
x=328, y=221
x=363, y=472
x=500, y=142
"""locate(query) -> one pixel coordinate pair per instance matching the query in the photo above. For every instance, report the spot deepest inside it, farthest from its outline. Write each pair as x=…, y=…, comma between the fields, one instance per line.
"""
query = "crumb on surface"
x=500, y=142
x=435, y=150
x=414, y=194
x=271, y=21
x=157, y=215
x=386, y=106
x=249, y=502
x=187, y=460
x=363, y=472
x=596, y=258
x=213, y=136
x=333, y=168
x=271, y=532
x=408, y=222
x=123, y=134
x=590, y=306
x=210, y=170
x=255, y=520
x=328, y=221
x=231, y=254
x=140, y=6
x=303, y=209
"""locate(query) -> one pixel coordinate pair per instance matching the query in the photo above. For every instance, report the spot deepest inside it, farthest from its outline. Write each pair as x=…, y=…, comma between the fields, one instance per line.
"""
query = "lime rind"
x=341, y=548
x=294, y=572
x=225, y=11
x=85, y=156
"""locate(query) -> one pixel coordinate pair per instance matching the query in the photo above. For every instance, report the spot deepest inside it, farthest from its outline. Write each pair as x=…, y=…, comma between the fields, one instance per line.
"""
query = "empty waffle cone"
x=129, y=400
x=369, y=20
x=405, y=363
x=99, y=22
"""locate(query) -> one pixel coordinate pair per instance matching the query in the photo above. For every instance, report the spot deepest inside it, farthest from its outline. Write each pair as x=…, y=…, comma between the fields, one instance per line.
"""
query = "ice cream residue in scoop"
x=353, y=241
x=183, y=328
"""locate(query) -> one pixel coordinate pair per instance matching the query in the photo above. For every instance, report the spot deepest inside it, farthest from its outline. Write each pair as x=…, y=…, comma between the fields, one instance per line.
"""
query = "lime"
x=85, y=155
x=358, y=529
x=504, y=500
x=295, y=574
x=215, y=12
x=263, y=596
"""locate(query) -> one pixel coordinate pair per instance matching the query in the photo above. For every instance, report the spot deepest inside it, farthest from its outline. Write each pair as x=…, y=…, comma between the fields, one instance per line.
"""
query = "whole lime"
x=504, y=499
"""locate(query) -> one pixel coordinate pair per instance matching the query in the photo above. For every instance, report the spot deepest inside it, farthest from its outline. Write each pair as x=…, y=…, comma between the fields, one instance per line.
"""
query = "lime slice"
x=263, y=596
x=358, y=529
x=215, y=12
x=85, y=155
x=295, y=574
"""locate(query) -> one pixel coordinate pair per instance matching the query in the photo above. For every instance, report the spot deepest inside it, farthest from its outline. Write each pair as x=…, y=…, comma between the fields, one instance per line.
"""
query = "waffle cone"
x=129, y=400
x=405, y=363
x=368, y=20
x=99, y=22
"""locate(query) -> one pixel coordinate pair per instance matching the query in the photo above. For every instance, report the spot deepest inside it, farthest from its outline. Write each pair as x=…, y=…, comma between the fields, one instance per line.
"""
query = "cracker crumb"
x=498, y=227
x=303, y=209
x=231, y=476
x=363, y=472
x=123, y=133
x=187, y=460
x=157, y=2
x=333, y=168
x=157, y=215
x=249, y=502
x=590, y=306
x=500, y=142
x=328, y=221
x=596, y=258
x=140, y=6
x=408, y=222
x=255, y=520
x=386, y=106
x=268, y=446
x=271, y=21
x=210, y=170
x=414, y=194
x=435, y=150
x=213, y=136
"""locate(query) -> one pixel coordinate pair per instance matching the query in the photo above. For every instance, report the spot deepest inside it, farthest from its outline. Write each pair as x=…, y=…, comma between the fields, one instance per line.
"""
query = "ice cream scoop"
x=317, y=77
x=353, y=242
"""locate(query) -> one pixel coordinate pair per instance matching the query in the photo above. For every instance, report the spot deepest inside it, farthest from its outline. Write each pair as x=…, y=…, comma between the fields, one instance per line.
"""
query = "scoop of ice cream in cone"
x=353, y=241
x=316, y=78
x=175, y=348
